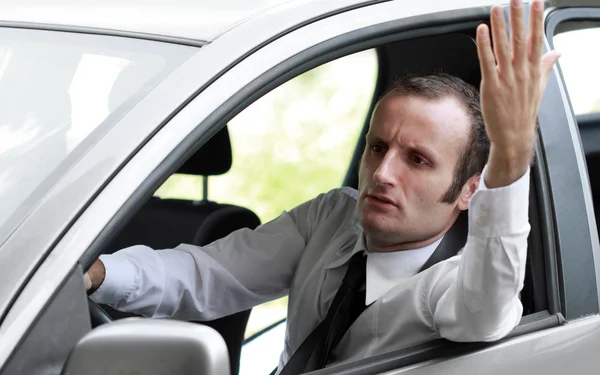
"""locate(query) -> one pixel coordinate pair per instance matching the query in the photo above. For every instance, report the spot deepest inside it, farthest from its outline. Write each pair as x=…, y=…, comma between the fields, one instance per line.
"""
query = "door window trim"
x=558, y=16
x=579, y=272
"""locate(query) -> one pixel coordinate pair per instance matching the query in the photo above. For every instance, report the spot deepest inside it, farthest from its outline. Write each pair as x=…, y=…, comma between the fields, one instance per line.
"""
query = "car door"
x=569, y=238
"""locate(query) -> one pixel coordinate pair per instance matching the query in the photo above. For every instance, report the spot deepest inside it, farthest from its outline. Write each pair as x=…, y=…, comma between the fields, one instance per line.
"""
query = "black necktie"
x=347, y=305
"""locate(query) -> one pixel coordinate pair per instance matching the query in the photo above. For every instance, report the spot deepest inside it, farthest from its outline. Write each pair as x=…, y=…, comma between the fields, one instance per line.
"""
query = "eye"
x=376, y=148
x=418, y=160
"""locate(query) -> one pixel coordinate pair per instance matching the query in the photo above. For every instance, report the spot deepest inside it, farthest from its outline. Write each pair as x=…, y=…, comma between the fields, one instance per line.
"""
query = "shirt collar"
x=386, y=270
x=345, y=255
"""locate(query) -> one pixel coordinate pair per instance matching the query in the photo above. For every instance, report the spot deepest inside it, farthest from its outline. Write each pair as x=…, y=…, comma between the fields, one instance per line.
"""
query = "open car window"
x=292, y=144
x=579, y=62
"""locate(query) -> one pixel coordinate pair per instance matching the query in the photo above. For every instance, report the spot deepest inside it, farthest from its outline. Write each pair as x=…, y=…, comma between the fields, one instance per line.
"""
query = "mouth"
x=380, y=200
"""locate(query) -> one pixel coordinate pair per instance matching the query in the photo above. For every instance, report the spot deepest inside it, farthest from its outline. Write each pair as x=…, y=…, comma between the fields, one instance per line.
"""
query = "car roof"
x=201, y=20
x=198, y=20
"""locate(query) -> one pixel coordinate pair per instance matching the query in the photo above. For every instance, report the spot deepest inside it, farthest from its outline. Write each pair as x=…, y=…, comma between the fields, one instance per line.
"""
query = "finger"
x=87, y=281
x=536, y=33
x=501, y=46
x=517, y=27
x=485, y=53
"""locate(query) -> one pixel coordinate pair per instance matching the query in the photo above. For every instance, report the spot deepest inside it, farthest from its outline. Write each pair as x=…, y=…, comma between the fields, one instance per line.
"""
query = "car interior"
x=165, y=223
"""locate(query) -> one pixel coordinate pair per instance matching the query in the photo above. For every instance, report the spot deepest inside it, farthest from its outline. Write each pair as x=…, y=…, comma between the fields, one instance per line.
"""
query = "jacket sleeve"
x=237, y=272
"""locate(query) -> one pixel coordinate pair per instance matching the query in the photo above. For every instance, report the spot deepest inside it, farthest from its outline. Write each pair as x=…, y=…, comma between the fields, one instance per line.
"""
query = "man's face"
x=412, y=148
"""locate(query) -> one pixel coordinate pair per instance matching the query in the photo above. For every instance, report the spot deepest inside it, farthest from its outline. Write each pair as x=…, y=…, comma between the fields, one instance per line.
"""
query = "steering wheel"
x=97, y=314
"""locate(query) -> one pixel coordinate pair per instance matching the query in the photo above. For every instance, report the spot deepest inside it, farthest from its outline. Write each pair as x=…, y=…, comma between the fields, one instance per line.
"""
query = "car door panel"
x=571, y=348
x=589, y=128
x=65, y=319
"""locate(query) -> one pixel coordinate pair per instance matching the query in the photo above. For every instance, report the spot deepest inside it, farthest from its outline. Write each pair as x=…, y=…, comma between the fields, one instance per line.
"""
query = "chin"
x=376, y=225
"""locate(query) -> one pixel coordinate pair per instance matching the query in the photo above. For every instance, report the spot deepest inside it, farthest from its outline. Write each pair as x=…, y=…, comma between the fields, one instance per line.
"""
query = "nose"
x=388, y=171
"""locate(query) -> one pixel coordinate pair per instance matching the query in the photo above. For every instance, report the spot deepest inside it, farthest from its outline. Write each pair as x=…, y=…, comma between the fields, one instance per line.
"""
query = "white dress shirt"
x=303, y=253
x=386, y=270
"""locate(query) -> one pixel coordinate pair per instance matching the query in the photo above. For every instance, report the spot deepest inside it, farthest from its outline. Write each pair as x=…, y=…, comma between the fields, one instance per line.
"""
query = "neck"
x=382, y=246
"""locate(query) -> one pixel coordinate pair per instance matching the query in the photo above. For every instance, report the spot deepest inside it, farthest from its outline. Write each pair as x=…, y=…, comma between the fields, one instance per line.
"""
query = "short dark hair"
x=441, y=85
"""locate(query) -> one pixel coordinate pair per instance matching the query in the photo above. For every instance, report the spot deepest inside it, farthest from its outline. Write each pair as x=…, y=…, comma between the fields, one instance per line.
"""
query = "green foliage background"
x=293, y=143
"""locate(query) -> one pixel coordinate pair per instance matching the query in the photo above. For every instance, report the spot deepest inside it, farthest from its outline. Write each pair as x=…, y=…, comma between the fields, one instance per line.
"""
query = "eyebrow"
x=425, y=151
x=417, y=148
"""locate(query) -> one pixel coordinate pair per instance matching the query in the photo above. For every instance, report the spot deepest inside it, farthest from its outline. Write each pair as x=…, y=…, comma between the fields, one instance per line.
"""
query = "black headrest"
x=212, y=159
x=454, y=54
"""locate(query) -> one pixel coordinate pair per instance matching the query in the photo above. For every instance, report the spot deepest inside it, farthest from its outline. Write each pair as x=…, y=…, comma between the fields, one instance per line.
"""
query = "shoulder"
x=339, y=197
x=341, y=193
x=344, y=192
x=337, y=203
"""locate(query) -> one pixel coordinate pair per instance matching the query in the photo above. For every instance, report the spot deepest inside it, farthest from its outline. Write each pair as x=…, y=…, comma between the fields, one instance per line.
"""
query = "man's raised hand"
x=514, y=77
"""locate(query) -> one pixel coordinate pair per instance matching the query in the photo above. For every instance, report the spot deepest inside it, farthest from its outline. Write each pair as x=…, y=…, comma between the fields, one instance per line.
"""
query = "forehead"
x=441, y=124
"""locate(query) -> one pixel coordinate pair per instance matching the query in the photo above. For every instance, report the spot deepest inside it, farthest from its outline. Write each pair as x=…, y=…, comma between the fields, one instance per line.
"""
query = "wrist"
x=505, y=166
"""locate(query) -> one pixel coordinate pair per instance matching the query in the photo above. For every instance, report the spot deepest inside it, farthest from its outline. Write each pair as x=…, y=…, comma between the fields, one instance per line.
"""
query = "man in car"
x=427, y=160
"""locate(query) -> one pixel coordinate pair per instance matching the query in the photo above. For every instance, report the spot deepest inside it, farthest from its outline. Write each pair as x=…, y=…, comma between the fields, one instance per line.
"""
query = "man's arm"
x=479, y=300
x=235, y=273
x=481, y=303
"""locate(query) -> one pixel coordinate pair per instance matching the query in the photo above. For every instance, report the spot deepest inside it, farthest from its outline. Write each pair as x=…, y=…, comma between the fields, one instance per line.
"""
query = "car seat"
x=166, y=223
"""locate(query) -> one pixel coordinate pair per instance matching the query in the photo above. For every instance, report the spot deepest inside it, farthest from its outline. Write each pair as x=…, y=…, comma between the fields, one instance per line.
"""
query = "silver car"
x=101, y=102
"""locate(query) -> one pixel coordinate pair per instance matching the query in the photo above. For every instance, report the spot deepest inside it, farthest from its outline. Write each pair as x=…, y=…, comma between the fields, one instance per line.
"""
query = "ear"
x=469, y=188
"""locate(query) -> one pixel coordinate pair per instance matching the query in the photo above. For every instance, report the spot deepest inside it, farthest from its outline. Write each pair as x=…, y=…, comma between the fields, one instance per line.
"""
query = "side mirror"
x=149, y=347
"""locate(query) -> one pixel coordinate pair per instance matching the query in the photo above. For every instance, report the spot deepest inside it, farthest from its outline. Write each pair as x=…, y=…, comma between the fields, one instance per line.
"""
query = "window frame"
x=579, y=270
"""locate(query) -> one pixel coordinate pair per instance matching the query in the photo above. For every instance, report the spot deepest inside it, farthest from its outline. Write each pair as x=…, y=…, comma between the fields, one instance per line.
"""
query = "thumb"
x=87, y=281
x=548, y=61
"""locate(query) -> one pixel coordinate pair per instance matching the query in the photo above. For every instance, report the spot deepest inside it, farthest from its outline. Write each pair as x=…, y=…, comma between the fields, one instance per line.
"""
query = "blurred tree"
x=596, y=107
x=293, y=143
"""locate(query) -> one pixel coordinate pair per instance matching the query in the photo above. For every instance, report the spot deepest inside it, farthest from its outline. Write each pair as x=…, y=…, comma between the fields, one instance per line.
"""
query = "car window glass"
x=579, y=64
x=289, y=146
x=56, y=88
